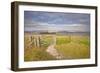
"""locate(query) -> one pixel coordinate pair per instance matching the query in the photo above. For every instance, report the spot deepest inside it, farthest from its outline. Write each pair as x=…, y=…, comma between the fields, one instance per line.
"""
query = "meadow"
x=69, y=46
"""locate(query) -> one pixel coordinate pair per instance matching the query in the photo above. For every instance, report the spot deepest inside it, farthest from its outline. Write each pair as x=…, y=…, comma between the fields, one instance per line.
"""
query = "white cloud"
x=58, y=27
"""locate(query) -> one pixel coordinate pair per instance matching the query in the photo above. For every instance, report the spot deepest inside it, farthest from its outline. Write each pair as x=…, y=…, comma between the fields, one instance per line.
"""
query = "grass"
x=62, y=40
x=33, y=53
x=71, y=47
x=78, y=48
x=46, y=41
x=36, y=54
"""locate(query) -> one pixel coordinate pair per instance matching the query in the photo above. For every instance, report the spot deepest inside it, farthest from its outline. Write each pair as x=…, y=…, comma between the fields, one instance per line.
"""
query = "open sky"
x=56, y=21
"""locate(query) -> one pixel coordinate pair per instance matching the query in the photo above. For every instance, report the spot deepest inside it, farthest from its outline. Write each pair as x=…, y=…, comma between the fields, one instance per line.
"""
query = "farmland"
x=62, y=47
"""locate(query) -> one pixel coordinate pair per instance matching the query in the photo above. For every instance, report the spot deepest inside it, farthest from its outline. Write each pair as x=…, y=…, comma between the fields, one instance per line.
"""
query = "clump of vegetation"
x=46, y=41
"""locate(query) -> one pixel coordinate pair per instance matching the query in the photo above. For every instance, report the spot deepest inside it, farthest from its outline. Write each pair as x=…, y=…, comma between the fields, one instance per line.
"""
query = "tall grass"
x=71, y=47
x=33, y=53
x=78, y=48
x=36, y=54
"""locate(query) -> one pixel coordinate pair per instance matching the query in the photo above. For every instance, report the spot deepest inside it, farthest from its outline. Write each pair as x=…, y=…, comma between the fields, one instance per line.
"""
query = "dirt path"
x=52, y=51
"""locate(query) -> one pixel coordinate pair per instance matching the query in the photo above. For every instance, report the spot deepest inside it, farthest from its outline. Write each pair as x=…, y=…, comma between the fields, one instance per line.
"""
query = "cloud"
x=56, y=17
x=64, y=27
x=56, y=21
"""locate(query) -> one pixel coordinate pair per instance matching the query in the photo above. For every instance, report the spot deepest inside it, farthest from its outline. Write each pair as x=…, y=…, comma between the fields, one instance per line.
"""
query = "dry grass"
x=36, y=54
x=71, y=47
x=77, y=48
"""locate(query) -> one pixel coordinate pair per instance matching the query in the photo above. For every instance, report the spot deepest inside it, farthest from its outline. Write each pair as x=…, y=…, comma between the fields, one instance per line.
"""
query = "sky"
x=56, y=21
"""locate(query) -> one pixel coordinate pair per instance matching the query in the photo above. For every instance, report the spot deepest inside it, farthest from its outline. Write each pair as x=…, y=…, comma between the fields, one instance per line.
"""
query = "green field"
x=70, y=47
x=77, y=47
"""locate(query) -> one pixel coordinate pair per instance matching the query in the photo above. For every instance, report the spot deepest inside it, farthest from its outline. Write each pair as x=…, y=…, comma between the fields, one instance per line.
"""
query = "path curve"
x=52, y=51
